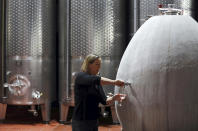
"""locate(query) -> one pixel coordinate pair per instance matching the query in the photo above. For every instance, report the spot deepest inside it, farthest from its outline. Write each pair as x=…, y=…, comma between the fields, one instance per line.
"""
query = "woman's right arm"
x=107, y=81
x=86, y=79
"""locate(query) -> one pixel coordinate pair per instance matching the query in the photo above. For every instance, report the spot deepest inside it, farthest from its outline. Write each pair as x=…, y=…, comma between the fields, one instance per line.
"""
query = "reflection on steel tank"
x=28, y=55
x=88, y=26
x=161, y=63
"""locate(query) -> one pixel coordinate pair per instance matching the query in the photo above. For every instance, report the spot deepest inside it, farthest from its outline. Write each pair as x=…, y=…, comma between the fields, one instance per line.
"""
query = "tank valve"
x=36, y=94
x=17, y=88
x=18, y=85
x=127, y=84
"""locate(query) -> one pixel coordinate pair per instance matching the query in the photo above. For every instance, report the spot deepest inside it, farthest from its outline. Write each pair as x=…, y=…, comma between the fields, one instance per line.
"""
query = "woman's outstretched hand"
x=119, y=83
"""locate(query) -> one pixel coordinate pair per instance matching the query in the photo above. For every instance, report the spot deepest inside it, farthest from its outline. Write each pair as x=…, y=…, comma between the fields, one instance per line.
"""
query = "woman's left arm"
x=116, y=97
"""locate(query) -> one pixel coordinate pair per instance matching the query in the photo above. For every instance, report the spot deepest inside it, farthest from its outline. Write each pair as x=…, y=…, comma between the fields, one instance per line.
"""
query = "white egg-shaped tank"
x=161, y=63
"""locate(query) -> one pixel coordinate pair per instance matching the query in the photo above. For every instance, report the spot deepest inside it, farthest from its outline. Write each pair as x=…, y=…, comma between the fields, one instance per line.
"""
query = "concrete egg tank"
x=88, y=26
x=161, y=63
x=28, y=55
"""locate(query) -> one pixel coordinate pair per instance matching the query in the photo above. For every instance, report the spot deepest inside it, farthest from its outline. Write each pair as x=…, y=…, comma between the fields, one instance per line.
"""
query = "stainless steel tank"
x=161, y=63
x=88, y=26
x=29, y=52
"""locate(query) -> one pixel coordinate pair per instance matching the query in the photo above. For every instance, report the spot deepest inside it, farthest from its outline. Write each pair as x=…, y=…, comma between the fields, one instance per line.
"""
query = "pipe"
x=4, y=92
x=68, y=52
x=135, y=16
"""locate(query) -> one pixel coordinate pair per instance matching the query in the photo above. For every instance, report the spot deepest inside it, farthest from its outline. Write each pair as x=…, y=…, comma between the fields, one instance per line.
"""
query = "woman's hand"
x=116, y=97
x=119, y=97
x=119, y=83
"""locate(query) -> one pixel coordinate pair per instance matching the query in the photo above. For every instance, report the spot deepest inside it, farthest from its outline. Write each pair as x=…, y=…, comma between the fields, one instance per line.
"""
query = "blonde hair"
x=89, y=60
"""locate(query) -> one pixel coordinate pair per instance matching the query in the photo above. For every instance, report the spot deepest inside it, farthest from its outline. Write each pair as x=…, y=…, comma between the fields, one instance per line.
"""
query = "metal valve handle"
x=127, y=84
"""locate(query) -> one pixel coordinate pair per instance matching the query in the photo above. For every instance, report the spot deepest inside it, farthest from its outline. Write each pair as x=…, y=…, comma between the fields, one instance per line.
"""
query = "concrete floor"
x=53, y=126
x=19, y=119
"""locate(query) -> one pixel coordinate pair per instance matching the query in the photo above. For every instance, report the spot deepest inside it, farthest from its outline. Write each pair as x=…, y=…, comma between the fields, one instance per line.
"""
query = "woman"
x=88, y=94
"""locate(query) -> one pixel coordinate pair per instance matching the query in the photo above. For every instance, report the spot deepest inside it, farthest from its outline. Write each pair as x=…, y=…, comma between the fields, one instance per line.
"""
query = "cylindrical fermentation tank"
x=161, y=63
x=88, y=26
x=28, y=55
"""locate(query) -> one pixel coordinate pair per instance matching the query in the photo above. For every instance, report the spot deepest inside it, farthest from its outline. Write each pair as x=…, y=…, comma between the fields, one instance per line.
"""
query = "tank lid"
x=171, y=10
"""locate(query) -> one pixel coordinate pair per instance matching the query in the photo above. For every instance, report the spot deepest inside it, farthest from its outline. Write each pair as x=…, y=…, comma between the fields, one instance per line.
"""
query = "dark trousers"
x=87, y=125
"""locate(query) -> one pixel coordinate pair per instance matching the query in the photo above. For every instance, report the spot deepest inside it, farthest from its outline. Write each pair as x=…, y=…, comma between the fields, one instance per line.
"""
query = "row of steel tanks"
x=32, y=58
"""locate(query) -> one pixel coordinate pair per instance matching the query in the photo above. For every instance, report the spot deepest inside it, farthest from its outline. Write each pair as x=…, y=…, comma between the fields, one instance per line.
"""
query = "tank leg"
x=45, y=110
x=114, y=115
x=3, y=108
x=64, y=109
